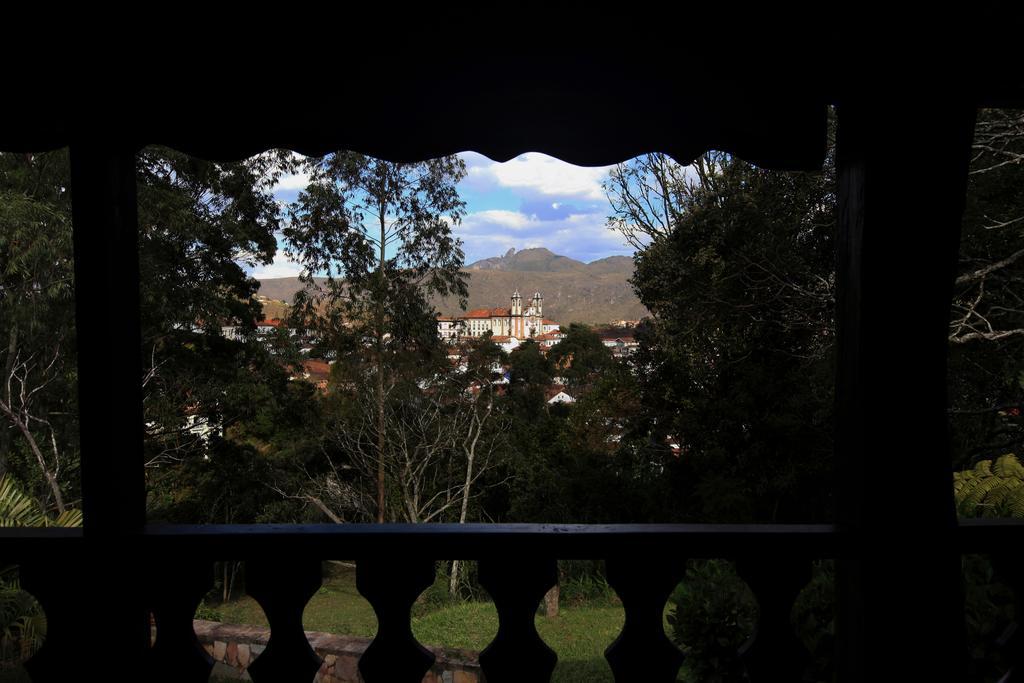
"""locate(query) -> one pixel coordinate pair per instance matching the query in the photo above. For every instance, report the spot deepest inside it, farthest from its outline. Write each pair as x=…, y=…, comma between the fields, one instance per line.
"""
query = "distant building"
x=316, y=372
x=233, y=332
x=449, y=328
x=263, y=328
x=515, y=322
x=507, y=344
x=620, y=344
x=549, y=339
x=269, y=326
x=557, y=395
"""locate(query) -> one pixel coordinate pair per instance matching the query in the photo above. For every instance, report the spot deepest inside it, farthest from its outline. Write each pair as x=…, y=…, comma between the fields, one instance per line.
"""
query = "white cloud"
x=582, y=236
x=281, y=266
x=542, y=174
x=292, y=181
x=497, y=218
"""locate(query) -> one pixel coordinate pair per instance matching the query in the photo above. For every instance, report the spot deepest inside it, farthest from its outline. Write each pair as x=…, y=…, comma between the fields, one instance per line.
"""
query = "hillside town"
x=509, y=328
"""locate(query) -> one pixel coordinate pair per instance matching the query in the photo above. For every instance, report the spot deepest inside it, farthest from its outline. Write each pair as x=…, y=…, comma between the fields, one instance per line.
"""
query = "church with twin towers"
x=517, y=321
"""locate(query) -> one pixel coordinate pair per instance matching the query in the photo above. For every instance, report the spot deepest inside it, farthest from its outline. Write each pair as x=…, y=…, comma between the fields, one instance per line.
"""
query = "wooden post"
x=903, y=164
x=110, y=407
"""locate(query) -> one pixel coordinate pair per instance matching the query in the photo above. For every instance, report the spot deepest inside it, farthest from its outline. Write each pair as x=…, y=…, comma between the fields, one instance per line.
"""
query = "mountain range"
x=573, y=291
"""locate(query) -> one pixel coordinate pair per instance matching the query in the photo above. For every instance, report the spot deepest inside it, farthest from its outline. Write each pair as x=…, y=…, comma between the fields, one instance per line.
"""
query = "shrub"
x=712, y=614
x=208, y=613
x=814, y=619
x=583, y=581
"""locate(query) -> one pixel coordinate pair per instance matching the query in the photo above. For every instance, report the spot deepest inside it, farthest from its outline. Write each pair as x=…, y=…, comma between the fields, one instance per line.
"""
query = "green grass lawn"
x=336, y=608
x=579, y=634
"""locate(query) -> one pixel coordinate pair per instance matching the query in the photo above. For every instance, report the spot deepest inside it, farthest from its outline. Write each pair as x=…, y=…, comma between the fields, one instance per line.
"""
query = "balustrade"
x=516, y=568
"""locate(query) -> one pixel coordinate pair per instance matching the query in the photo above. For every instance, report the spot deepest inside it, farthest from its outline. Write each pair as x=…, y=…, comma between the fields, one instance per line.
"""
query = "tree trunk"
x=453, y=581
x=51, y=479
x=5, y=433
x=381, y=440
x=551, y=602
x=476, y=427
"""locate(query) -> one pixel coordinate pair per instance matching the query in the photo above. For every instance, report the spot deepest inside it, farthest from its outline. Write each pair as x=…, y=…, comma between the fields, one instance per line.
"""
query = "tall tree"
x=581, y=358
x=380, y=235
x=200, y=222
x=736, y=363
x=38, y=425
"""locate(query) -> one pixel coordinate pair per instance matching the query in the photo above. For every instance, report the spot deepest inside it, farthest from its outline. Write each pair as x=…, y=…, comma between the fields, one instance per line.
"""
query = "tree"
x=38, y=426
x=484, y=428
x=649, y=193
x=737, y=268
x=381, y=235
x=581, y=358
x=442, y=438
x=530, y=375
x=199, y=223
x=986, y=373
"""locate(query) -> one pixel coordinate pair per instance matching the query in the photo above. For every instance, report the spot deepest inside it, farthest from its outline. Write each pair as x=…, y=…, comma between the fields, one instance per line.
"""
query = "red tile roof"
x=317, y=369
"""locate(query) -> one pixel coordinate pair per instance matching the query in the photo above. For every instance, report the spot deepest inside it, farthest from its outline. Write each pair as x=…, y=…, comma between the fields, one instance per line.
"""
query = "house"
x=316, y=372
x=557, y=394
x=506, y=343
x=549, y=339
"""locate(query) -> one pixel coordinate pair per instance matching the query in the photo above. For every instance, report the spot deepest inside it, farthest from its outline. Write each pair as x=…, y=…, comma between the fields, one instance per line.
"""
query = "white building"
x=517, y=322
x=561, y=397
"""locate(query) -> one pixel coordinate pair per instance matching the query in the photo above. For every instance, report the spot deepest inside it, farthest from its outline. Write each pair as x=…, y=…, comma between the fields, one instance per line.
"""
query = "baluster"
x=1010, y=568
x=391, y=587
x=177, y=588
x=63, y=595
x=643, y=652
x=517, y=652
x=282, y=588
x=92, y=632
x=774, y=652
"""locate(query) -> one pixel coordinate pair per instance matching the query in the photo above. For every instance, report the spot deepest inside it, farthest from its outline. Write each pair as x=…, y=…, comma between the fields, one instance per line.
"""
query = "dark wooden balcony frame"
x=898, y=549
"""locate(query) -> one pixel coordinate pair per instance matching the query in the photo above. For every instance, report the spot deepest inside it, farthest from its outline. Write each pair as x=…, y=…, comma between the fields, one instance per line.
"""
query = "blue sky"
x=531, y=201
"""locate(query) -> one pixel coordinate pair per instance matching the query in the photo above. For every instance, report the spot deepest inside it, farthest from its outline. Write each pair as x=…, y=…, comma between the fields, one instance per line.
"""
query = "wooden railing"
x=517, y=567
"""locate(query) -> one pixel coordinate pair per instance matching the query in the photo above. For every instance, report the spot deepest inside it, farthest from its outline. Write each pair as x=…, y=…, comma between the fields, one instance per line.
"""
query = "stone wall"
x=234, y=647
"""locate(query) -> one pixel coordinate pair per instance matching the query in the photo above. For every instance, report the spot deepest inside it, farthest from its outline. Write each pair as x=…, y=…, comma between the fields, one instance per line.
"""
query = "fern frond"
x=1007, y=466
x=16, y=508
x=991, y=489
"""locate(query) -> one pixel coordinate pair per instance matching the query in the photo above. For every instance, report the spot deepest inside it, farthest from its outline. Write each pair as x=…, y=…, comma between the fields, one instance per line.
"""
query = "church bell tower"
x=517, y=315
